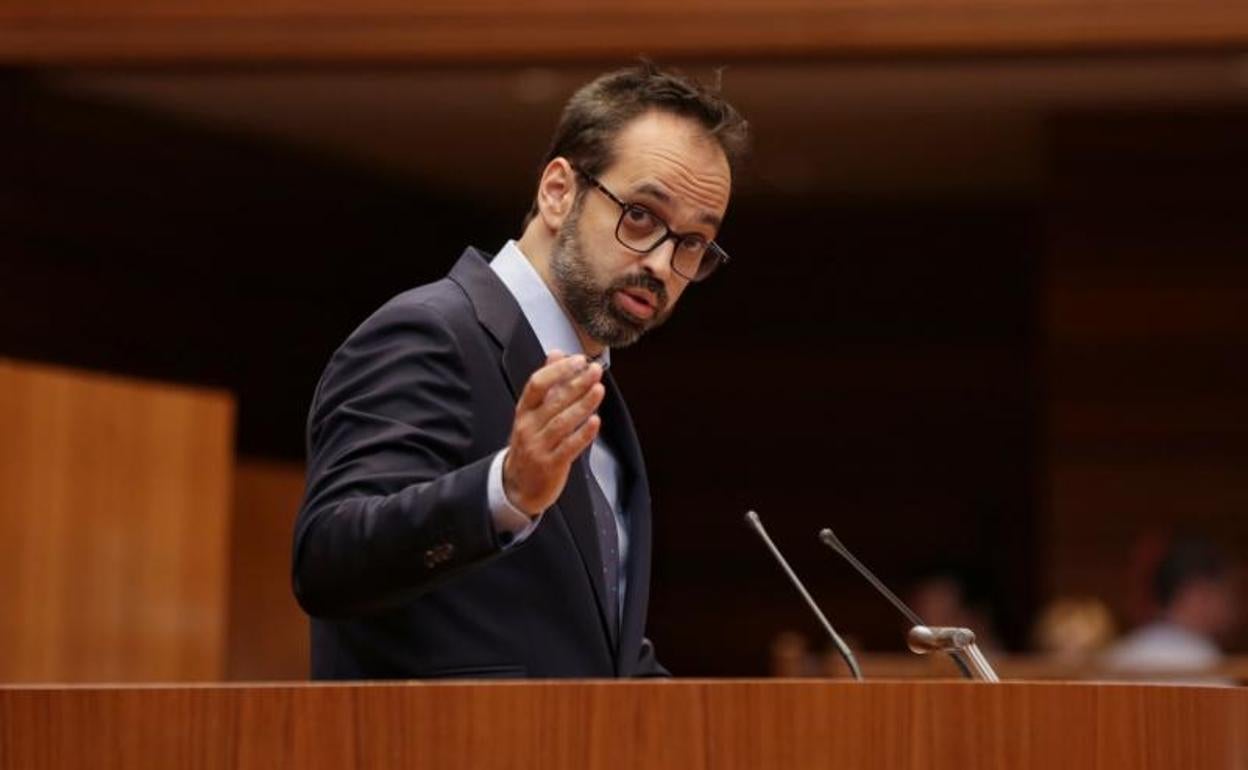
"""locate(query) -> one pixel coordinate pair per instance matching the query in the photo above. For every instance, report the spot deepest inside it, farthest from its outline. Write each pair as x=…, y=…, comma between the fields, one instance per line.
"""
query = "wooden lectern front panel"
x=673, y=725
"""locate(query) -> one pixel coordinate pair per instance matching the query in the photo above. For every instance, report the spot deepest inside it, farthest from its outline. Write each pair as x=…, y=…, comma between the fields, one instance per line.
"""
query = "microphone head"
x=924, y=639
x=830, y=540
x=921, y=640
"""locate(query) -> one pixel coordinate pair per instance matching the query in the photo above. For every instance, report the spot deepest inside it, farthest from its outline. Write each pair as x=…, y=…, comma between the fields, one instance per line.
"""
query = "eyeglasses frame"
x=712, y=248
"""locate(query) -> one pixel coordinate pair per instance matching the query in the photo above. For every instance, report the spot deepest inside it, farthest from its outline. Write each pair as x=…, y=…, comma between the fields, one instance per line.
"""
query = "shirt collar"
x=552, y=326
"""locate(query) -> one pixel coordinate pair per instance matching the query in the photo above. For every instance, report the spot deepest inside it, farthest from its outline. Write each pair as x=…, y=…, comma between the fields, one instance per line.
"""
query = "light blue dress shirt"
x=554, y=332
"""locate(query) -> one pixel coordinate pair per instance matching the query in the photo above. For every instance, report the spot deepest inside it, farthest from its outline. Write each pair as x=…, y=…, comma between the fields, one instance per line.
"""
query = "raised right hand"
x=555, y=422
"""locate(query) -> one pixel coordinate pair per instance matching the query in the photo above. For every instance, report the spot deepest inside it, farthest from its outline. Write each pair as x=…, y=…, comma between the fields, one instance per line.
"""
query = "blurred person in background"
x=946, y=597
x=1195, y=593
x=1072, y=629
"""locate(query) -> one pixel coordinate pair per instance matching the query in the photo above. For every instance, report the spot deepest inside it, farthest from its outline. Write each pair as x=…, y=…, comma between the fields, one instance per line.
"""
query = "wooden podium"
x=682, y=725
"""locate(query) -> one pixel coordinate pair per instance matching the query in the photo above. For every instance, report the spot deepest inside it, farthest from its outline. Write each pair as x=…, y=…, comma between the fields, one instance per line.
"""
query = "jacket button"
x=438, y=554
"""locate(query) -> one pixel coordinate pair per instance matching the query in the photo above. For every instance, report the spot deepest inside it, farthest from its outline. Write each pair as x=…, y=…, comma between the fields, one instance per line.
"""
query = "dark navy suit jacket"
x=395, y=554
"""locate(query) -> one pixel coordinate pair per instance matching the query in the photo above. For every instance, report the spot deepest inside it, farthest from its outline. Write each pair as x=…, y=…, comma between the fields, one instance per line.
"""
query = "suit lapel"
x=500, y=314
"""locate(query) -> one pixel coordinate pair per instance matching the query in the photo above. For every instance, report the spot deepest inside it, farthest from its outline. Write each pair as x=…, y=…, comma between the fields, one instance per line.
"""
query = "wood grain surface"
x=684, y=725
x=268, y=635
x=146, y=32
x=114, y=526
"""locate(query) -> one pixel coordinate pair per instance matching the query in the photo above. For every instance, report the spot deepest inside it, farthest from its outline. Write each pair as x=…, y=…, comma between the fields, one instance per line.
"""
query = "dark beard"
x=591, y=306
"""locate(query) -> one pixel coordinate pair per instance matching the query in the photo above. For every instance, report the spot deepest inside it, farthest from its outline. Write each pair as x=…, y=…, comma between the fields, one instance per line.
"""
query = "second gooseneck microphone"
x=830, y=540
x=757, y=525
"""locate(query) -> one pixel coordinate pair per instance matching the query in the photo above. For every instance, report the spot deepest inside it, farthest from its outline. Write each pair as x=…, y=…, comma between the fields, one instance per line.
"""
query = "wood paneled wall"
x=268, y=636
x=114, y=527
x=148, y=32
x=1146, y=297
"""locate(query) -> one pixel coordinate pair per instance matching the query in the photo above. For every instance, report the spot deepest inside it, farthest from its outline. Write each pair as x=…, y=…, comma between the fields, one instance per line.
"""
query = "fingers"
x=571, y=417
x=558, y=367
x=564, y=394
x=556, y=386
x=578, y=441
x=567, y=405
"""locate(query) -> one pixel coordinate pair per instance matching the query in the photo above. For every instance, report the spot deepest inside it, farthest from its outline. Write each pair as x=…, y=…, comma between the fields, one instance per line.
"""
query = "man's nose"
x=659, y=261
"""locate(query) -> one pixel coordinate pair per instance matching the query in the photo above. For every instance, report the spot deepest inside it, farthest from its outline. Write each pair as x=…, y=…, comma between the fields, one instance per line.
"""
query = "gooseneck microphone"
x=757, y=525
x=830, y=540
x=922, y=638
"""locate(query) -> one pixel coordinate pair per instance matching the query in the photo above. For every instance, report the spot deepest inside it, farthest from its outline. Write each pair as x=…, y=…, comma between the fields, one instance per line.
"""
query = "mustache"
x=647, y=282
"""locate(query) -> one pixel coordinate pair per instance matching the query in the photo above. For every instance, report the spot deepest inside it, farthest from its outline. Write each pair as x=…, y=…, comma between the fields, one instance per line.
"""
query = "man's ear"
x=556, y=193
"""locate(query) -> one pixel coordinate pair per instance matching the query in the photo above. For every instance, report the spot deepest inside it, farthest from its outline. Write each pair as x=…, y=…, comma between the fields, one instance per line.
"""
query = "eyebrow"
x=664, y=197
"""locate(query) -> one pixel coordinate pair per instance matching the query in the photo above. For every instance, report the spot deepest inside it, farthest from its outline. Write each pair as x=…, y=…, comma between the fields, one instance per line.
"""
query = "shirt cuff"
x=512, y=524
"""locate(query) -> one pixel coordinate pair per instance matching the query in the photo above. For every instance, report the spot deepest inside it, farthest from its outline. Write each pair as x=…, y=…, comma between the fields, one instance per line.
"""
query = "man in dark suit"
x=476, y=501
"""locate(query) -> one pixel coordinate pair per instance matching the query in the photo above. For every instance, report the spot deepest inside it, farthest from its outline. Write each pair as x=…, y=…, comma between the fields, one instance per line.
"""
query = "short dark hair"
x=1187, y=560
x=600, y=109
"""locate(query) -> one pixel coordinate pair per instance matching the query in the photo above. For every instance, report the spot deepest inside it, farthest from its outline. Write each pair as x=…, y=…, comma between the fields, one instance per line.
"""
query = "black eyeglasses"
x=643, y=231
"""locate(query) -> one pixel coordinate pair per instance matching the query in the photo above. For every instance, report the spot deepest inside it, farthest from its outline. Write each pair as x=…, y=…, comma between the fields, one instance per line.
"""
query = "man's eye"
x=693, y=243
x=639, y=218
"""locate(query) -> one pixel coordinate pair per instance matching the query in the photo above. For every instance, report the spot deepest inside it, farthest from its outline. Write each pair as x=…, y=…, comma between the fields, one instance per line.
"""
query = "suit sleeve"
x=393, y=503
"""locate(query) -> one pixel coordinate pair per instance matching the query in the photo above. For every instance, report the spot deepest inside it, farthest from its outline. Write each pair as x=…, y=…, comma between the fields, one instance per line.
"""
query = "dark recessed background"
x=886, y=354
